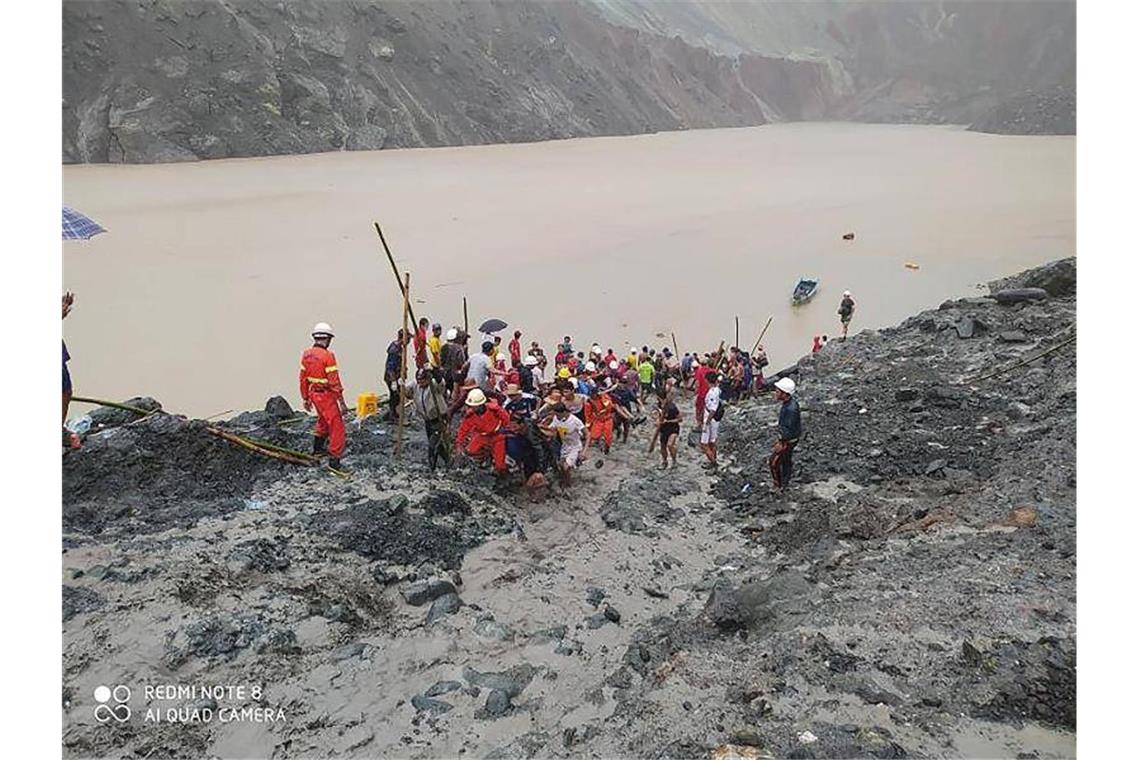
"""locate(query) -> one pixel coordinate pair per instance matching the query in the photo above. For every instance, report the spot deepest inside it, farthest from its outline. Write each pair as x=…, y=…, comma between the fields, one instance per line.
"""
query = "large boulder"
x=759, y=605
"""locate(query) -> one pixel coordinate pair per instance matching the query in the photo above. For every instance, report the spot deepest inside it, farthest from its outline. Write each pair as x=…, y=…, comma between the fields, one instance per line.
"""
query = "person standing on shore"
x=846, y=311
x=789, y=430
x=420, y=343
x=435, y=346
x=668, y=430
x=72, y=438
x=321, y=388
x=392, y=373
x=515, y=348
x=428, y=399
x=713, y=413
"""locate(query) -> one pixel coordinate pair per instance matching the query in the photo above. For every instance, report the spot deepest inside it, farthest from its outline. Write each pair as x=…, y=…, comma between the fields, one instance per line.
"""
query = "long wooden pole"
x=395, y=271
x=676, y=351
x=757, y=344
x=403, y=368
x=737, y=343
x=466, y=329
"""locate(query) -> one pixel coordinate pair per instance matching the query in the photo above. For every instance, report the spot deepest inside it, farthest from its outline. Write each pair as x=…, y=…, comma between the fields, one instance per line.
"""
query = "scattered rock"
x=448, y=604
x=1019, y=295
x=433, y=706
x=442, y=687
x=422, y=592
x=278, y=408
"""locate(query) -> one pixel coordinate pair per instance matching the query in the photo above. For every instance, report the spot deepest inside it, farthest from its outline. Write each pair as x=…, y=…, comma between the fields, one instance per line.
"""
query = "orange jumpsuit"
x=320, y=384
x=600, y=418
x=487, y=431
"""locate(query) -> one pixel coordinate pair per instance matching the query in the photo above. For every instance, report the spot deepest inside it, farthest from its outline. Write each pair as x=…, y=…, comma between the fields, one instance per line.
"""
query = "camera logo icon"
x=112, y=704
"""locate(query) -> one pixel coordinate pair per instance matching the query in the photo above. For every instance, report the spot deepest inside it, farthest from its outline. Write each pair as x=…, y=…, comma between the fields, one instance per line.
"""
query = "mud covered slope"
x=165, y=81
x=912, y=594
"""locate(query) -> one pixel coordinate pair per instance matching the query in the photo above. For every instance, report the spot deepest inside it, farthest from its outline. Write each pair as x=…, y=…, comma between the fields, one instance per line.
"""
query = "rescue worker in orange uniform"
x=600, y=411
x=321, y=388
x=484, y=430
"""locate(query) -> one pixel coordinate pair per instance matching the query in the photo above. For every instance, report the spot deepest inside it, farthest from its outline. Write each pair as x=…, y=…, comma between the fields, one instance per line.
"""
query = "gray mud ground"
x=912, y=594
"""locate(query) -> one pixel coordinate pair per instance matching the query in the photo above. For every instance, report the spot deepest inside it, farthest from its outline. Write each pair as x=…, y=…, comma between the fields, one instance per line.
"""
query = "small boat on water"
x=804, y=291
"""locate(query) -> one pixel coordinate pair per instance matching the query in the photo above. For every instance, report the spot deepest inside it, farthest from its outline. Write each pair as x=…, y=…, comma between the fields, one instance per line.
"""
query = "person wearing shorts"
x=710, y=427
x=669, y=430
x=570, y=432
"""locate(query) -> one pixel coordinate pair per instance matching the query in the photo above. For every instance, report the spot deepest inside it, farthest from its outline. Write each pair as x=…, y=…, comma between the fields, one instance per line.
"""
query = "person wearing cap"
x=435, y=345
x=846, y=311
x=789, y=428
x=483, y=430
x=526, y=372
x=321, y=389
x=429, y=403
x=452, y=355
x=570, y=432
x=515, y=348
x=519, y=402
x=713, y=412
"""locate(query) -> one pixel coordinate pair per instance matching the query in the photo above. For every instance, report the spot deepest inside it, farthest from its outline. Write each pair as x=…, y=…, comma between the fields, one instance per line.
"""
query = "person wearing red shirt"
x=484, y=430
x=515, y=349
x=701, y=375
x=419, y=342
x=321, y=388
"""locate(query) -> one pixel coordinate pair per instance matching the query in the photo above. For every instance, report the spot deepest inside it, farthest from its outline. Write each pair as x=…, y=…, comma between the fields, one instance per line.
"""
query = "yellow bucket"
x=367, y=404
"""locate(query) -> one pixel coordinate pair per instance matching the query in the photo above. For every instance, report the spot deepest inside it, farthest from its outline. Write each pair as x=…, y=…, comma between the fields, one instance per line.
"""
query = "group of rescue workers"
x=517, y=405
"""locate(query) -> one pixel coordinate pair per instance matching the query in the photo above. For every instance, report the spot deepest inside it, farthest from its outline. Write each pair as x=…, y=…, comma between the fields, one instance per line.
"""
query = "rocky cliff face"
x=170, y=80
x=982, y=62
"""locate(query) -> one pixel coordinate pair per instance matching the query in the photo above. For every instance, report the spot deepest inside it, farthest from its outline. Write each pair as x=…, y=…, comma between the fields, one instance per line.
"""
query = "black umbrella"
x=492, y=326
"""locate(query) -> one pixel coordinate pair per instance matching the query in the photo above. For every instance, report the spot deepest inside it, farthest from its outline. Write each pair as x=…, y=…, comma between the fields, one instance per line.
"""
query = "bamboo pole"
x=113, y=405
x=403, y=370
x=466, y=329
x=737, y=343
x=757, y=344
x=395, y=271
x=246, y=444
x=676, y=351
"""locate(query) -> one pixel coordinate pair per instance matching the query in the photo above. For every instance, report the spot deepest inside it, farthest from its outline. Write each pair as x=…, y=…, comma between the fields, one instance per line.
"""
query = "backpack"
x=718, y=415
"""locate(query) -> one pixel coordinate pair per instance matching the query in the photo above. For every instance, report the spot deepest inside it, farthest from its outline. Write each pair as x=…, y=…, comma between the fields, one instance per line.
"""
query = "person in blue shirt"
x=789, y=429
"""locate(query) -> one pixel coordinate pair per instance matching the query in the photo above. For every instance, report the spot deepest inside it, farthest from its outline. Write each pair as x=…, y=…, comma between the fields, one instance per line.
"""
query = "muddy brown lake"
x=203, y=291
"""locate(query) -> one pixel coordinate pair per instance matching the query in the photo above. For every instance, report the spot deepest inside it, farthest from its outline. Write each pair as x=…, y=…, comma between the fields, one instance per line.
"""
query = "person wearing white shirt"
x=714, y=410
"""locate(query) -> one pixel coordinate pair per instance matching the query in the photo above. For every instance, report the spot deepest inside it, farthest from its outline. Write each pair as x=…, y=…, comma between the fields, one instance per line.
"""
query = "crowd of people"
x=515, y=405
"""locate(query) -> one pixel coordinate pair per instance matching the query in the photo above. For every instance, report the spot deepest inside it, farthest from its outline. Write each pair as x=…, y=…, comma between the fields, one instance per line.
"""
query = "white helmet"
x=590, y=366
x=847, y=292
x=452, y=334
x=475, y=397
x=596, y=349
x=530, y=361
x=322, y=329
x=787, y=385
x=501, y=357
x=614, y=364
